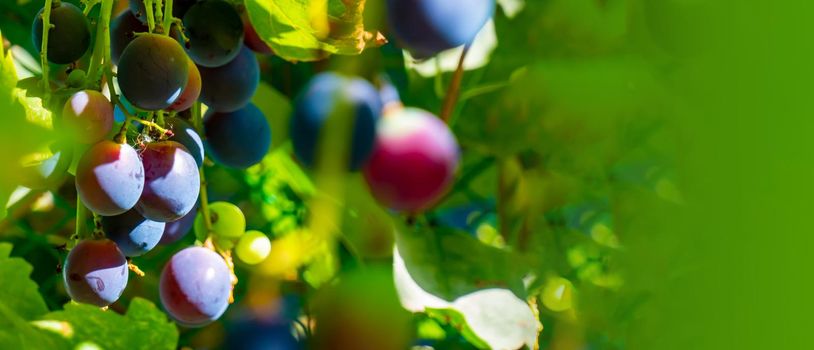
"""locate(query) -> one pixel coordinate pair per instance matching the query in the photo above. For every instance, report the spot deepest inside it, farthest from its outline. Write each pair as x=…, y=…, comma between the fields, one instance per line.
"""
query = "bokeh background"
x=648, y=159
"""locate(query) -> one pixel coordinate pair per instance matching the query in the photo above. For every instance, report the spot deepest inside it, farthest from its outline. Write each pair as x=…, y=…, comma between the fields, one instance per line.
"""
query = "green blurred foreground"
x=636, y=176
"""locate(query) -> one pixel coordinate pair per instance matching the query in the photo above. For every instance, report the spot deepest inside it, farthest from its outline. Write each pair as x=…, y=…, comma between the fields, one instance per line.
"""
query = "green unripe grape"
x=228, y=224
x=76, y=78
x=253, y=247
x=558, y=294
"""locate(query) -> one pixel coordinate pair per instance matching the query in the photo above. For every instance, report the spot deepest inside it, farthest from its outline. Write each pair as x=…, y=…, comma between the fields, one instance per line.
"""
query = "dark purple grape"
x=110, y=178
x=195, y=286
x=215, y=33
x=252, y=40
x=95, y=272
x=178, y=229
x=237, y=139
x=230, y=87
x=134, y=234
x=153, y=71
x=325, y=97
x=68, y=39
x=427, y=27
x=186, y=135
x=171, y=181
x=122, y=32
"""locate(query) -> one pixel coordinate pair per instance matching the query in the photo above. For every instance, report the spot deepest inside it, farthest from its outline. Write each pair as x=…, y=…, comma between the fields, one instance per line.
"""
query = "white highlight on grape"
x=79, y=102
x=174, y=96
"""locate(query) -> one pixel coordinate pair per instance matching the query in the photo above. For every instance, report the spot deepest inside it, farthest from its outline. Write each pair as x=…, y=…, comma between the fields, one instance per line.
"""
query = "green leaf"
x=19, y=293
x=277, y=109
x=450, y=264
x=299, y=30
x=143, y=327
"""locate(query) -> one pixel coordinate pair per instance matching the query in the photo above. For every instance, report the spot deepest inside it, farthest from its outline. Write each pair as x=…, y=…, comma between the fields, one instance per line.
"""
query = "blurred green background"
x=683, y=127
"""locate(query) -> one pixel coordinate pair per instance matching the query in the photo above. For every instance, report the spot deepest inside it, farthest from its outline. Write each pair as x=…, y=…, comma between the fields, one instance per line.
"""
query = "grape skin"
x=414, y=160
x=215, y=33
x=122, y=30
x=230, y=87
x=186, y=135
x=88, y=115
x=153, y=71
x=110, y=178
x=68, y=39
x=228, y=224
x=237, y=139
x=191, y=91
x=195, y=286
x=319, y=102
x=134, y=234
x=178, y=229
x=95, y=272
x=171, y=182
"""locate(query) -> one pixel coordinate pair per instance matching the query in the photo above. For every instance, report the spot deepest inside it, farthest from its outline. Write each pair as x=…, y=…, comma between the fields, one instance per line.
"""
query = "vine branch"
x=454, y=88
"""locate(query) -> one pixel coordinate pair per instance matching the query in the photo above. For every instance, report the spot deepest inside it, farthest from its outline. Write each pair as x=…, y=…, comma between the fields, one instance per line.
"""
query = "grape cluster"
x=148, y=192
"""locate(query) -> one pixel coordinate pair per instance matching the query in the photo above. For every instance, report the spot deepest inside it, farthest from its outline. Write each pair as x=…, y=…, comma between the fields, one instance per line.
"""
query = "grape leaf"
x=300, y=30
x=143, y=326
x=19, y=292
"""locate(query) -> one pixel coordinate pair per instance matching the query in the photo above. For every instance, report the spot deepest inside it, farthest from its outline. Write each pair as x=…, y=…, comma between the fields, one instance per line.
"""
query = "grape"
x=186, y=135
x=557, y=294
x=95, y=272
x=48, y=172
x=153, y=70
x=179, y=8
x=68, y=39
x=134, y=234
x=215, y=33
x=230, y=87
x=171, y=181
x=122, y=32
x=191, y=91
x=109, y=178
x=253, y=247
x=195, y=286
x=237, y=139
x=322, y=101
x=228, y=224
x=176, y=230
x=413, y=162
x=252, y=40
x=427, y=27
x=88, y=116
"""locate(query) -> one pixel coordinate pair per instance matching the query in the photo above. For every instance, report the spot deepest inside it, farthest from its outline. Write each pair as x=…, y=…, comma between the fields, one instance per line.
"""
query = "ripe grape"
x=186, y=135
x=68, y=39
x=253, y=247
x=195, y=286
x=215, y=33
x=171, y=181
x=134, y=234
x=322, y=102
x=231, y=86
x=88, y=116
x=427, y=27
x=228, y=224
x=109, y=178
x=153, y=70
x=413, y=162
x=122, y=32
x=191, y=91
x=95, y=272
x=176, y=230
x=237, y=139
x=48, y=172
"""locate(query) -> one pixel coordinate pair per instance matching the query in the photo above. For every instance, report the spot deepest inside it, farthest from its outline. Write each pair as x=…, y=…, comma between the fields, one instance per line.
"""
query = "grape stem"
x=121, y=137
x=81, y=216
x=148, y=7
x=454, y=88
x=46, y=27
x=167, y=16
x=102, y=31
x=197, y=122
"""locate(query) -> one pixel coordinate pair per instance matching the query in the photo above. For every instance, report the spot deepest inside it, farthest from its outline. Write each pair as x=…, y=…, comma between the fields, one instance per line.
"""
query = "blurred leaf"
x=303, y=31
x=143, y=326
x=19, y=292
x=277, y=109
